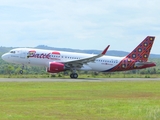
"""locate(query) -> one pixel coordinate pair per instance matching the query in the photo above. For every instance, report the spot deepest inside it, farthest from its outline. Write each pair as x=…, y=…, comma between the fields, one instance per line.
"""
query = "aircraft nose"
x=4, y=57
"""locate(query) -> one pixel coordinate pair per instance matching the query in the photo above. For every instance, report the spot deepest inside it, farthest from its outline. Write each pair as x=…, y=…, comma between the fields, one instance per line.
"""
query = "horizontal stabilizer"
x=147, y=64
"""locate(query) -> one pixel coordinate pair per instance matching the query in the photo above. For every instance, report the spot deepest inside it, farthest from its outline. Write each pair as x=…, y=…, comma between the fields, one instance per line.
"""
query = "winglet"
x=105, y=50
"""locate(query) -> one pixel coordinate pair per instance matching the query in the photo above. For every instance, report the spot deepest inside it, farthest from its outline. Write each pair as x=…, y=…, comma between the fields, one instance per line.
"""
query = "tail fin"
x=142, y=51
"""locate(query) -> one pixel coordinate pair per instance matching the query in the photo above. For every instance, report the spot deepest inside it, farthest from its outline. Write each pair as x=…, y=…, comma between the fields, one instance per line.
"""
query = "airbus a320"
x=58, y=61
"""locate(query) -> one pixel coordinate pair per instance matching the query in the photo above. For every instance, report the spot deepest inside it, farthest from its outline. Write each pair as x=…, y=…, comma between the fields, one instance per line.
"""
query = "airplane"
x=58, y=61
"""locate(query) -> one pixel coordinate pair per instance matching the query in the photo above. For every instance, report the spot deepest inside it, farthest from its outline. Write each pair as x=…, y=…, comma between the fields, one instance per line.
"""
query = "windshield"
x=12, y=51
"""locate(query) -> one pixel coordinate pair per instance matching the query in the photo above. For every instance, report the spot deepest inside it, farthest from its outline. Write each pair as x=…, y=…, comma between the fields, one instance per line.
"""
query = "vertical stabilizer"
x=142, y=51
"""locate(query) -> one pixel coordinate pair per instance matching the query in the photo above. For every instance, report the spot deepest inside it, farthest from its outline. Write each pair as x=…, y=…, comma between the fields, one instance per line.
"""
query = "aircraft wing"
x=79, y=63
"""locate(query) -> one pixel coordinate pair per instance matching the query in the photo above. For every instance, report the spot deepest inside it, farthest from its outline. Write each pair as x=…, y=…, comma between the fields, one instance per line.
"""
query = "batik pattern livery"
x=142, y=51
x=139, y=54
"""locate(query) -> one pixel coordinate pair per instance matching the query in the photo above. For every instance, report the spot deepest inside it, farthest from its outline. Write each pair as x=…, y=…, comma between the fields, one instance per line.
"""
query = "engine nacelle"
x=55, y=67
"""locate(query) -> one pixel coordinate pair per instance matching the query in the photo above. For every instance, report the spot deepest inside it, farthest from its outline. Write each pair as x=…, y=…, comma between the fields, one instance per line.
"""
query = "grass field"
x=124, y=100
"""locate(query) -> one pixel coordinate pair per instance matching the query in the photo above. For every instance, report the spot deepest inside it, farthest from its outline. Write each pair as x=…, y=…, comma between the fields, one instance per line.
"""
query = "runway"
x=75, y=80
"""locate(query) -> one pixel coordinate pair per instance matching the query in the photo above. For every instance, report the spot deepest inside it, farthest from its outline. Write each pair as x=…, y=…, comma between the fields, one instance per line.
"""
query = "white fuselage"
x=39, y=57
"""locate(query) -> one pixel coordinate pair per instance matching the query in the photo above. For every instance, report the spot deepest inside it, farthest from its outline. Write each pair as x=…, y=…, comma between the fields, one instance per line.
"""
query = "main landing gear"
x=74, y=75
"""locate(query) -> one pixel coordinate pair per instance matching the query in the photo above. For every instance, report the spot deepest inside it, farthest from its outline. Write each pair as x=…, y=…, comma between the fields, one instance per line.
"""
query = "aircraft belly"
x=101, y=66
x=86, y=68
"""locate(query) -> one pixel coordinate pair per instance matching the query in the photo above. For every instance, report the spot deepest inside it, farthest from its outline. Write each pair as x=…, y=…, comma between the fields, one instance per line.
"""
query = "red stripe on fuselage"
x=56, y=53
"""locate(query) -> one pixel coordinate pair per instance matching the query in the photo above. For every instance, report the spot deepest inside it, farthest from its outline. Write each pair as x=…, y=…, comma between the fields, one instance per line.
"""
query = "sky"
x=79, y=24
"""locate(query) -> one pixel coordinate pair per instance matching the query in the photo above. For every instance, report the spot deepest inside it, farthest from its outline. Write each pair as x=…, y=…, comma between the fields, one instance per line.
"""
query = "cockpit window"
x=12, y=51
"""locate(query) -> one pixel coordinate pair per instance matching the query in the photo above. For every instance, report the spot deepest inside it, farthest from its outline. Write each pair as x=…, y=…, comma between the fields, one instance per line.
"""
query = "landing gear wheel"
x=74, y=75
x=21, y=71
x=71, y=75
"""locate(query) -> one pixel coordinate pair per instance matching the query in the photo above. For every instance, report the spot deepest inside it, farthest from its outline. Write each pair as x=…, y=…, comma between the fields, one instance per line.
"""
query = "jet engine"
x=55, y=67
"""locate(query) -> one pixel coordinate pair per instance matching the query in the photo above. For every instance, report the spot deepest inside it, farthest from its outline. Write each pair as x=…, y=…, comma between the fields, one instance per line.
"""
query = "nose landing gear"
x=21, y=71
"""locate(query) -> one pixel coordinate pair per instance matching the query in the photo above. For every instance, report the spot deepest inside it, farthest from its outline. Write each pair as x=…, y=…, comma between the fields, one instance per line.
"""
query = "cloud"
x=83, y=24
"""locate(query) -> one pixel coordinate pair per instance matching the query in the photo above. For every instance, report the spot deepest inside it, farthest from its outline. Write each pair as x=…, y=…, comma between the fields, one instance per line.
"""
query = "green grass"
x=125, y=100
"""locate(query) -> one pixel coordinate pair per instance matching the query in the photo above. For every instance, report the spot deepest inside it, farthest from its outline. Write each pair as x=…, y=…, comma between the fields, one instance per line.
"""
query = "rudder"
x=142, y=51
